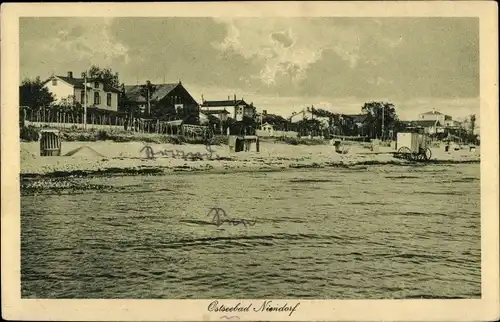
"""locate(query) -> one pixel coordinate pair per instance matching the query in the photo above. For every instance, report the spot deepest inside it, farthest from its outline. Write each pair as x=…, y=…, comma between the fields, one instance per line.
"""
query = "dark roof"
x=425, y=123
x=223, y=103
x=357, y=118
x=78, y=83
x=215, y=112
x=133, y=92
x=432, y=113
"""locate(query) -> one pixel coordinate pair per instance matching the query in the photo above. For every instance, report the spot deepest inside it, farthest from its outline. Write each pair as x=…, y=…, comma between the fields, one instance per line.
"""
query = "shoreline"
x=129, y=159
x=67, y=183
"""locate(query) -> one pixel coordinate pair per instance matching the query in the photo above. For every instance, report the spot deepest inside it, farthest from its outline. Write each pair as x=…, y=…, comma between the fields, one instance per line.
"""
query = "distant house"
x=239, y=107
x=428, y=126
x=168, y=100
x=444, y=120
x=220, y=114
x=358, y=119
x=269, y=128
x=99, y=94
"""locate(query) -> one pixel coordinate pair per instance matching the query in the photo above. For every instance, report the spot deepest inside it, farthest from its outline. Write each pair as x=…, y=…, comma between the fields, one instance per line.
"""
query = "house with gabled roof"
x=428, y=126
x=169, y=100
x=220, y=114
x=239, y=107
x=99, y=94
x=358, y=119
x=435, y=116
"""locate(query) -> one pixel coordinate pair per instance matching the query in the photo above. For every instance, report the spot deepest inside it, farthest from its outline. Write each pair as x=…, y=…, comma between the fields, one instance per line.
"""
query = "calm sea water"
x=379, y=232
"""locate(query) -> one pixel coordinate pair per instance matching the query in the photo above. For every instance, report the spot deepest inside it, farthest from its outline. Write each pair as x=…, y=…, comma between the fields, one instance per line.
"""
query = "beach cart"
x=413, y=146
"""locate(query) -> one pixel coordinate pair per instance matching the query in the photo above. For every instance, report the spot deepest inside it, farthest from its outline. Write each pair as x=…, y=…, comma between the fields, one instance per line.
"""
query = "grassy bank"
x=300, y=141
x=31, y=133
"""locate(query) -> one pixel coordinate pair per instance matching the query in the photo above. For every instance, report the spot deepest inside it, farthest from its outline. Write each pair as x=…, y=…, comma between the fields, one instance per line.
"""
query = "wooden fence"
x=50, y=116
x=102, y=122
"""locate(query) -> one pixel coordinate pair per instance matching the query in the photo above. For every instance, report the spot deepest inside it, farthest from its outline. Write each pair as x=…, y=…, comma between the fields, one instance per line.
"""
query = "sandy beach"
x=105, y=156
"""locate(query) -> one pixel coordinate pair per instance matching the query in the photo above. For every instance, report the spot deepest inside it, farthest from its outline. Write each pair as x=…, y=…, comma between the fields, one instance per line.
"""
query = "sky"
x=281, y=64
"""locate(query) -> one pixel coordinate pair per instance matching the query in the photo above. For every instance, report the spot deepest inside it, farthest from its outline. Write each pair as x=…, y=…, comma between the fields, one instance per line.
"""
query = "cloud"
x=312, y=60
x=393, y=57
x=283, y=38
x=48, y=43
x=283, y=47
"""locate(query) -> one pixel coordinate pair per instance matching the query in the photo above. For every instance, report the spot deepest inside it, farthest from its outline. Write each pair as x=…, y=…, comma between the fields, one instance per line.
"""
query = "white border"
x=486, y=308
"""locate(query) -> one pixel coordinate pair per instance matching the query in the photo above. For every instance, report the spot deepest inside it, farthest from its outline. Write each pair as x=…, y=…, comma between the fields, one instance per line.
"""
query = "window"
x=82, y=96
x=54, y=82
x=108, y=99
x=97, y=98
x=96, y=84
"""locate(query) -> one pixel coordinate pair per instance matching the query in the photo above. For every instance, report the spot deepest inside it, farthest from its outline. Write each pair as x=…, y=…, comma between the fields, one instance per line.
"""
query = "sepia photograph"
x=217, y=157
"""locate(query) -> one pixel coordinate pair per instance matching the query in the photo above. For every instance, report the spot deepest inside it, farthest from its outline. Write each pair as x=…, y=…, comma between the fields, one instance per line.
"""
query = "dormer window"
x=54, y=82
x=96, y=84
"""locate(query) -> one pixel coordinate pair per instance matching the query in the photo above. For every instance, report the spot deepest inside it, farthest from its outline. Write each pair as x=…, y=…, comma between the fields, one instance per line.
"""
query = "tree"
x=376, y=111
x=309, y=127
x=147, y=90
x=34, y=95
x=472, y=123
x=105, y=74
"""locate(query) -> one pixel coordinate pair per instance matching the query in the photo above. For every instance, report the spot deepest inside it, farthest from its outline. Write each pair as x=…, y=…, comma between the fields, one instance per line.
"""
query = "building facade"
x=428, y=126
x=268, y=128
x=99, y=94
x=220, y=114
x=435, y=116
x=168, y=102
x=239, y=107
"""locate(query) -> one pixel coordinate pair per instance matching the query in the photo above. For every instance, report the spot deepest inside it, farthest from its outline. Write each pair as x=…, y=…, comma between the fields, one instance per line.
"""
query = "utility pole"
x=382, y=136
x=85, y=101
x=149, y=106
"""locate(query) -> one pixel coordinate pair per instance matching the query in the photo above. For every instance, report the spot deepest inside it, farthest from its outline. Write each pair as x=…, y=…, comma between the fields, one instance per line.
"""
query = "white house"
x=99, y=94
x=444, y=120
x=268, y=128
x=239, y=106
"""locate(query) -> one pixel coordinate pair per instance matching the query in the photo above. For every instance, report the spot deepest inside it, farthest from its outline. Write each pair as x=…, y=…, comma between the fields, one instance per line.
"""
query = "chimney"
x=235, y=97
x=228, y=97
x=70, y=75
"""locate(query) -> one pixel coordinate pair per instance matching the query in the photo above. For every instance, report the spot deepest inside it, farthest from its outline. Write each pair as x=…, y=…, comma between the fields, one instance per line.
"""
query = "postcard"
x=250, y=161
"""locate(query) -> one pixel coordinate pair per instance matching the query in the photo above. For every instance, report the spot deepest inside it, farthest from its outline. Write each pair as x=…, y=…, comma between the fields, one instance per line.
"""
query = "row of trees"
x=381, y=121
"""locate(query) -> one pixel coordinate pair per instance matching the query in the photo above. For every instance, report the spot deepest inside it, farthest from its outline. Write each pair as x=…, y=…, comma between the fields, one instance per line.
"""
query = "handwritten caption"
x=151, y=153
x=220, y=217
x=265, y=306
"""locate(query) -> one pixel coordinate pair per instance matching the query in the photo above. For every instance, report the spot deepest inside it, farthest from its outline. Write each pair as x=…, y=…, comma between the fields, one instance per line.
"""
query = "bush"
x=311, y=141
x=218, y=140
x=29, y=133
x=102, y=135
x=91, y=135
x=294, y=141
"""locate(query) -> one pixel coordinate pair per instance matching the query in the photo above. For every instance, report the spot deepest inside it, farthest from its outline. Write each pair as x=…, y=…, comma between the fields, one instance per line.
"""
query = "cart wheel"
x=427, y=154
x=404, y=152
